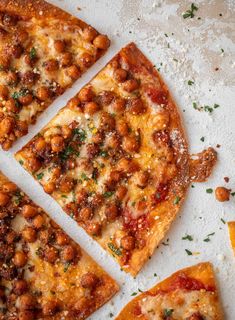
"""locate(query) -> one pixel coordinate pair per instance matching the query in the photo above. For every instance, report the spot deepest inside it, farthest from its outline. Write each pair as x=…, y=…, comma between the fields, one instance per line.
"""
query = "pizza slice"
x=189, y=294
x=116, y=159
x=231, y=227
x=43, y=273
x=43, y=50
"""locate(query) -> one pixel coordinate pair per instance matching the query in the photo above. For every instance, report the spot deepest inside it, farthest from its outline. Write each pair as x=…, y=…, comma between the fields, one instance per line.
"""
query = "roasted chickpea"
x=85, y=60
x=20, y=287
x=75, y=103
x=4, y=199
x=89, y=33
x=97, y=138
x=101, y=42
x=15, y=51
x=142, y=178
x=96, y=200
x=61, y=238
x=11, y=237
x=6, y=125
x=29, y=211
x=29, y=60
x=94, y=228
x=4, y=92
x=26, y=315
x=20, y=259
x=7, y=144
x=27, y=302
x=40, y=144
x=81, y=196
x=34, y=163
x=38, y=221
x=121, y=192
x=29, y=78
x=119, y=104
x=86, y=213
x=49, y=187
x=50, y=308
x=113, y=141
x=111, y=212
x=9, y=187
x=43, y=93
x=21, y=128
x=73, y=71
x=51, y=254
x=222, y=194
x=57, y=143
x=128, y=243
x=66, y=59
x=120, y=75
x=51, y=65
x=136, y=106
x=107, y=121
x=66, y=184
x=130, y=144
x=59, y=45
x=89, y=280
x=3, y=33
x=91, y=108
x=29, y=234
x=26, y=99
x=68, y=253
x=127, y=165
x=86, y=94
x=66, y=131
x=12, y=106
x=12, y=78
x=122, y=128
x=9, y=20
x=130, y=85
x=5, y=62
x=21, y=36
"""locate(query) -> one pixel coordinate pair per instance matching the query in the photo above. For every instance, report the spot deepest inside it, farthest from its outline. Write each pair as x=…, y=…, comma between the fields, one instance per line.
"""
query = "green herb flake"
x=111, y=315
x=208, y=109
x=223, y=221
x=114, y=249
x=21, y=162
x=82, y=135
x=84, y=177
x=216, y=105
x=190, y=82
x=189, y=253
x=167, y=312
x=33, y=53
x=134, y=294
x=177, y=200
x=66, y=266
x=39, y=176
x=190, y=13
x=69, y=150
x=202, y=139
x=103, y=153
x=222, y=50
x=209, y=190
x=187, y=237
x=155, y=275
x=108, y=194
x=232, y=194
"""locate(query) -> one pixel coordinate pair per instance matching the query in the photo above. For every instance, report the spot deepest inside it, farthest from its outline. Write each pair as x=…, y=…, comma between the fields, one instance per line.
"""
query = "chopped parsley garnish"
x=23, y=92
x=103, y=153
x=187, y=237
x=223, y=221
x=207, y=239
x=202, y=139
x=134, y=294
x=82, y=135
x=205, y=108
x=17, y=198
x=84, y=176
x=21, y=162
x=190, y=82
x=66, y=266
x=111, y=315
x=155, y=275
x=108, y=194
x=177, y=200
x=39, y=176
x=222, y=50
x=167, y=312
x=114, y=249
x=33, y=53
x=190, y=13
x=209, y=190
x=189, y=253
x=208, y=109
x=232, y=194
x=69, y=150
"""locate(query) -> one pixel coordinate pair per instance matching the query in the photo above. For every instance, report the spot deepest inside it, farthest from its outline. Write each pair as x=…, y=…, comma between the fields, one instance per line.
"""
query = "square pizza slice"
x=189, y=294
x=116, y=158
x=43, y=50
x=43, y=273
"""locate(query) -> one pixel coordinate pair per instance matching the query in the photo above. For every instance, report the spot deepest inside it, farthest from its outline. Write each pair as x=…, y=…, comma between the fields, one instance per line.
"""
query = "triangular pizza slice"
x=44, y=274
x=43, y=50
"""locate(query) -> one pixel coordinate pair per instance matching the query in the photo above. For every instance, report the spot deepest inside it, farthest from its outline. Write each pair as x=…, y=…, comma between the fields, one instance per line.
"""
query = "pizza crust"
x=231, y=228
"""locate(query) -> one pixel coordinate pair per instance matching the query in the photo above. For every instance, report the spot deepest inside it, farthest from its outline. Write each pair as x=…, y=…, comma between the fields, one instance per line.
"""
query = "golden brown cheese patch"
x=116, y=158
x=44, y=273
x=188, y=294
x=43, y=50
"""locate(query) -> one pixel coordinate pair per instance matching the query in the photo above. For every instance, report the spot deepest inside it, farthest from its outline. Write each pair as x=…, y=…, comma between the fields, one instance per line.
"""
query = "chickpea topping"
x=222, y=194
x=128, y=243
x=101, y=42
x=61, y=238
x=27, y=302
x=43, y=93
x=66, y=132
x=121, y=192
x=68, y=253
x=66, y=59
x=91, y=108
x=51, y=65
x=4, y=199
x=130, y=144
x=49, y=187
x=74, y=103
x=29, y=211
x=21, y=128
x=29, y=78
x=59, y=46
x=113, y=141
x=111, y=212
x=50, y=308
x=11, y=237
x=51, y=254
x=20, y=259
x=12, y=106
x=16, y=51
x=122, y=128
x=86, y=213
x=119, y=105
x=7, y=144
x=89, y=33
x=26, y=100
x=81, y=196
x=142, y=178
x=34, y=164
x=89, y=280
x=20, y=286
x=130, y=85
x=9, y=20
x=73, y=71
x=6, y=125
x=26, y=315
x=66, y=184
x=120, y=75
x=57, y=143
x=107, y=122
x=136, y=106
x=86, y=94
x=21, y=36
x=12, y=78
x=29, y=234
x=127, y=165
x=5, y=62
x=97, y=138
x=4, y=92
x=94, y=228
x=85, y=60
x=38, y=221
x=29, y=60
x=40, y=144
